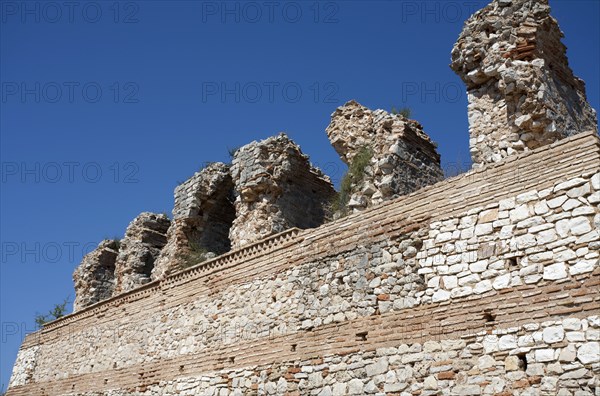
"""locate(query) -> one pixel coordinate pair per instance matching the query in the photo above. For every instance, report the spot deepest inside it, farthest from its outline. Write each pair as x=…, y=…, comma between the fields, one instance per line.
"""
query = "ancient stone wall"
x=144, y=238
x=398, y=157
x=486, y=283
x=482, y=284
x=94, y=278
x=276, y=188
x=202, y=217
x=558, y=362
x=522, y=92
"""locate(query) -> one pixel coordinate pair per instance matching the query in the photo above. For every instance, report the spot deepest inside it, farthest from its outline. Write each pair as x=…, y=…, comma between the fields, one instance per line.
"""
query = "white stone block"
x=440, y=295
x=501, y=282
x=555, y=271
x=521, y=212
x=569, y=184
x=583, y=266
x=580, y=225
x=544, y=355
x=589, y=353
x=556, y=202
x=553, y=334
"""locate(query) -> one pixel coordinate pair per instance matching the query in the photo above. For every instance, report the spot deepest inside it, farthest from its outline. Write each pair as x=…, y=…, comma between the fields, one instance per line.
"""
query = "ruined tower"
x=522, y=92
x=276, y=188
x=144, y=238
x=202, y=216
x=95, y=277
x=396, y=156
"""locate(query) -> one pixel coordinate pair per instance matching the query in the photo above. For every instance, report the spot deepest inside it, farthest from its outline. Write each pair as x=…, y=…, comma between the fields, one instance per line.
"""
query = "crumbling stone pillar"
x=388, y=156
x=144, y=238
x=202, y=216
x=522, y=93
x=276, y=189
x=95, y=277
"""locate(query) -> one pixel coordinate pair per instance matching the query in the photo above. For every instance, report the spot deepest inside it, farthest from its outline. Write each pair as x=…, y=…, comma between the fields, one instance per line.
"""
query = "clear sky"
x=107, y=105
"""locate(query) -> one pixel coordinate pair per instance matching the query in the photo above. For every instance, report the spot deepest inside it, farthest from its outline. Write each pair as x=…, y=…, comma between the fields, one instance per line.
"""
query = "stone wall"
x=144, y=238
x=482, y=284
x=202, y=217
x=522, y=92
x=555, y=358
x=94, y=278
x=276, y=188
x=401, y=157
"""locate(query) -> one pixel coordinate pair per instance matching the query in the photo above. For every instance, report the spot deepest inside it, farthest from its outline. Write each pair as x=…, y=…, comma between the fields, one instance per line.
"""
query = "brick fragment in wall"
x=94, y=278
x=403, y=157
x=202, y=218
x=144, y=238
x=522, y=93
x=276, y=188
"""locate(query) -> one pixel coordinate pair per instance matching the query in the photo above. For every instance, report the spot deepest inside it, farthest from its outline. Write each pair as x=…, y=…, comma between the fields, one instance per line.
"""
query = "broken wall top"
x=354, y=126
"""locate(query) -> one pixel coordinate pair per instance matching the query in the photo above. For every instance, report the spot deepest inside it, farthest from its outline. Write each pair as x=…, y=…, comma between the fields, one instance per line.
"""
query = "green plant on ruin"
x=58, y=311
x=354, y=175
x=404, y=111
x=196, y=255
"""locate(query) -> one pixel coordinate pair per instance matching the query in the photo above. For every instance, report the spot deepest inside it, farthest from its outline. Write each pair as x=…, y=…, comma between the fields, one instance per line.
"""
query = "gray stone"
x=272, y=180
x=202, y=217
x=95, y=277
x=379, y=367
x=144, y=239
x=355, y=387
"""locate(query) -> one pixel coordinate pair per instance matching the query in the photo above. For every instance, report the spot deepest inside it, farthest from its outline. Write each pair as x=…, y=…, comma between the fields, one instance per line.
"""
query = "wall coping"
x=255, y=249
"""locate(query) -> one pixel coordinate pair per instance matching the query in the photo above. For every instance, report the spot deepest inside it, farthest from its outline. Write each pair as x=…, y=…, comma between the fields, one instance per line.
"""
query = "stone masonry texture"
x=522, y=93
x=95, y=277
x=276, y=188
x=484, y=284
x=144, y=238
x=202, y=217
x=403, y=158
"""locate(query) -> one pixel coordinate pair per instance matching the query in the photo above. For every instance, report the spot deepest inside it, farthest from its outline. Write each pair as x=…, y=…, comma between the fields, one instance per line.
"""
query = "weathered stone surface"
x=95, y=277
x=202, y=217
x=276, y=188
x=402, y=157
x=330, y=311
x=24, y=367
x=369, y=305
x=144, y=238
x=589, y=353
x=522, y=93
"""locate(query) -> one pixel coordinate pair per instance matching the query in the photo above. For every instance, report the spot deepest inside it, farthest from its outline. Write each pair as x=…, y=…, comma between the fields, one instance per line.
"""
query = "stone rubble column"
x=388, y=156
x=94, y=278
x=144, y=238
x=276, y=189
x=202, y=216
x=522, y=93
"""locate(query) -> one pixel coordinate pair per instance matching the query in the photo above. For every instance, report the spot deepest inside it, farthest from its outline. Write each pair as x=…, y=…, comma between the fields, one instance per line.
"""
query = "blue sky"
x=107, y=105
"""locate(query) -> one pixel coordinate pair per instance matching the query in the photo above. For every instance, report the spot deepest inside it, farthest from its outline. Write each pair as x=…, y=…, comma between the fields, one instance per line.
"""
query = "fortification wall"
x=481, y=284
